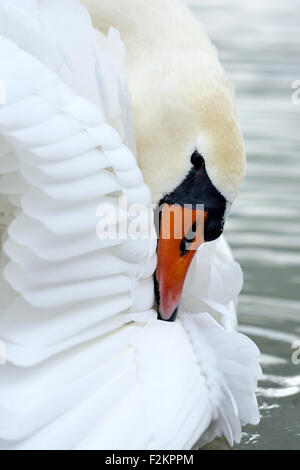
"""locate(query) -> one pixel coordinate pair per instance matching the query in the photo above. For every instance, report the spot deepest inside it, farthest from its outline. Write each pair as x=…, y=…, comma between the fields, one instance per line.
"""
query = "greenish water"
x=259, y=45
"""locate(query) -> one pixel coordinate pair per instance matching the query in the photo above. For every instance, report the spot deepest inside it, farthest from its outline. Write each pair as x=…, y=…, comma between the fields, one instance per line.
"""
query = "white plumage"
x=88, y=364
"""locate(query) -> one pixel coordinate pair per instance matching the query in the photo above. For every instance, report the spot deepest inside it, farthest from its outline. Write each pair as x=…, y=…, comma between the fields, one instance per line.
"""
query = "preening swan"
x=88, y=364
x=189, y=142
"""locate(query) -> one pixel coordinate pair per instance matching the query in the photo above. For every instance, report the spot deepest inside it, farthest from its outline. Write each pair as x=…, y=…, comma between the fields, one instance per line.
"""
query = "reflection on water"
x=259, y=45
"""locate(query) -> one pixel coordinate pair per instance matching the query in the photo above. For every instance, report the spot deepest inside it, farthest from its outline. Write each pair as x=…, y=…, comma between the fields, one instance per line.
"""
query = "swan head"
x=191, y=153
x=189, y=143
x=183, y=113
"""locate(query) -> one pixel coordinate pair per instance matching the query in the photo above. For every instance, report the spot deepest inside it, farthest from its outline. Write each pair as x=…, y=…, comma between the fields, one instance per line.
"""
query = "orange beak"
x=181, y=234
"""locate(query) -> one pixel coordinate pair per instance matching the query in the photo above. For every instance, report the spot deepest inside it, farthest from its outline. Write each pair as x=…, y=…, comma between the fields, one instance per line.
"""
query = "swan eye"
x=197, y=160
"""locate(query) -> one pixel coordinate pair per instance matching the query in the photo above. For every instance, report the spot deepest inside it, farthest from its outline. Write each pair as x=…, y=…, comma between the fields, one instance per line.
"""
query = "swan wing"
x=64, y=155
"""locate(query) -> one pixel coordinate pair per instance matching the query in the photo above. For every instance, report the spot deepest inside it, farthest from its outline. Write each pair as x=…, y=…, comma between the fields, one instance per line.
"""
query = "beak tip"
x=168, y=318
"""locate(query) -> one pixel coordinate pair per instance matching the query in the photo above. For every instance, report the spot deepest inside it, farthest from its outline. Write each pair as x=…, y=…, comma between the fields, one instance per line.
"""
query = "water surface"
x=259, y=45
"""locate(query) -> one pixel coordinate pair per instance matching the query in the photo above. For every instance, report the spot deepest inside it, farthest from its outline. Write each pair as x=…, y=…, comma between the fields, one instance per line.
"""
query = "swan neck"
x=145, y=25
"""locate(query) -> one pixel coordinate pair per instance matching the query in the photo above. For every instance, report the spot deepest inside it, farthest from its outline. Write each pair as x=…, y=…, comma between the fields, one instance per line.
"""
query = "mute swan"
x=88, y=364
x=180, y=94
